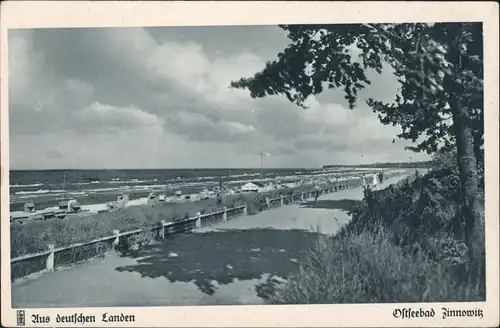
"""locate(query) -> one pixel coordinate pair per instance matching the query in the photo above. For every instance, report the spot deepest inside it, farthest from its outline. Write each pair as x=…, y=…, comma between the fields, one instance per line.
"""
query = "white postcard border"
x=38, y=14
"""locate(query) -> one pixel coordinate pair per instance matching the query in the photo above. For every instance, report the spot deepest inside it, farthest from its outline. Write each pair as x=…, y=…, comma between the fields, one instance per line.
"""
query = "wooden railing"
x=53, y=257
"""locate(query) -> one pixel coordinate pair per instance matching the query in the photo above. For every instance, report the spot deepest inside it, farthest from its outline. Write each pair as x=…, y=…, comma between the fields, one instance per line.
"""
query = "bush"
x=403, y=244
x=370, y=268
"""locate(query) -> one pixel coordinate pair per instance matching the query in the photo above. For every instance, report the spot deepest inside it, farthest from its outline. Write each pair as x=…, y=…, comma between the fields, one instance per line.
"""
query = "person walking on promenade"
x=375, y=181
x=381, y=177
x=219, y=199
x=316, y=192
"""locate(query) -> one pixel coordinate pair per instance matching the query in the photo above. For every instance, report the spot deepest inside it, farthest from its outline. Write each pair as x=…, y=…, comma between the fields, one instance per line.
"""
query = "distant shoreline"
x=403, y=165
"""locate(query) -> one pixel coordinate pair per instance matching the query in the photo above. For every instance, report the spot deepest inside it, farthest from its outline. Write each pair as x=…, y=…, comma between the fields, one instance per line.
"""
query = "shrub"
x=370, y=268
x=403, y=244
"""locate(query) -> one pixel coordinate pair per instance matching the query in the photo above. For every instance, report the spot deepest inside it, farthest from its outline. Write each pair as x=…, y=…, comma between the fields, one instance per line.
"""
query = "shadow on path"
x=223, y=256
x=341, y=204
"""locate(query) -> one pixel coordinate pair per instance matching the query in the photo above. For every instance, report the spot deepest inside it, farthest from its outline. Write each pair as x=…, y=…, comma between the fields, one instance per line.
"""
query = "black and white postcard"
x=249, y=164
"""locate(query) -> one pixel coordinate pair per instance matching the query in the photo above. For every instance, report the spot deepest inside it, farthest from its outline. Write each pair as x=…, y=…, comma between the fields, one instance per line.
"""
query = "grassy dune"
x=402, y=245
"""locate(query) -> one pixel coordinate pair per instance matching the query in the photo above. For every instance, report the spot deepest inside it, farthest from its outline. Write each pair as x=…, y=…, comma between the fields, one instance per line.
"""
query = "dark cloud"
x=312, y=142
x=53, y=154
x=283, y=121
x=164, y=93
x=244, y=39
x=198, y=127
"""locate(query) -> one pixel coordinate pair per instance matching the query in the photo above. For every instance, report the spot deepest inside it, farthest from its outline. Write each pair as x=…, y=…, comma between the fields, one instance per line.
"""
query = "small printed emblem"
x=21, y=318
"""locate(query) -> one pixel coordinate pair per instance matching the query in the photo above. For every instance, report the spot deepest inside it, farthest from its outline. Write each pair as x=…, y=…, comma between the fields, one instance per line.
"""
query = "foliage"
x=369, y=268
x=438, y=65
x=433, y=63
x=400, y=246
x=445, y=159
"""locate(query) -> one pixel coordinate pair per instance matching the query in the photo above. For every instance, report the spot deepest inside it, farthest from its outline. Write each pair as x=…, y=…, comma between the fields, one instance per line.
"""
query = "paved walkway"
x=223, y=264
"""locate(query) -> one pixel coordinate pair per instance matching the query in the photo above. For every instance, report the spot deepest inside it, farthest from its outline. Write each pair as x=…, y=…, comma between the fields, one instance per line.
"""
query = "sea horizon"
x=224, y=168
x=173, y=168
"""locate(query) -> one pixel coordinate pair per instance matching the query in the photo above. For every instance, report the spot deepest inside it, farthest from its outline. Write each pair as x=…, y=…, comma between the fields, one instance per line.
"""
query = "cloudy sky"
x=160, y=98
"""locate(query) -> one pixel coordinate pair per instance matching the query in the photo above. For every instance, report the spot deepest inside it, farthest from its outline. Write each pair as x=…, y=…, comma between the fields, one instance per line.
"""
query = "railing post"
x=162, y=229
x=117, y=238
x=267, y=202
x=282, y=202
x=224, y=215
x=245, y=210
x=198, y=220
x=50, y=258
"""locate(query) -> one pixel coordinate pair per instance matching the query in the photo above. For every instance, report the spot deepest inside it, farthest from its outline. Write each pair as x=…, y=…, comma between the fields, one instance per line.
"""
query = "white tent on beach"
x=252, y=186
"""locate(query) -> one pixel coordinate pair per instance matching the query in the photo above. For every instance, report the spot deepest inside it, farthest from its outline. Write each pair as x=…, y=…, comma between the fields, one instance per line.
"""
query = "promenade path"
x=222, y=264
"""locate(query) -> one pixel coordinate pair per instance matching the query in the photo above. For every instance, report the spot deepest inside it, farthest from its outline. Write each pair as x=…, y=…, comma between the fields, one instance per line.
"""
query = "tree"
x=439, y=67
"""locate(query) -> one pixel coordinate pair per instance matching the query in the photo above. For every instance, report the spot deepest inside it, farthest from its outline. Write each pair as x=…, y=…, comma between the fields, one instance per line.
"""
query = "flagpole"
x=261, y=155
